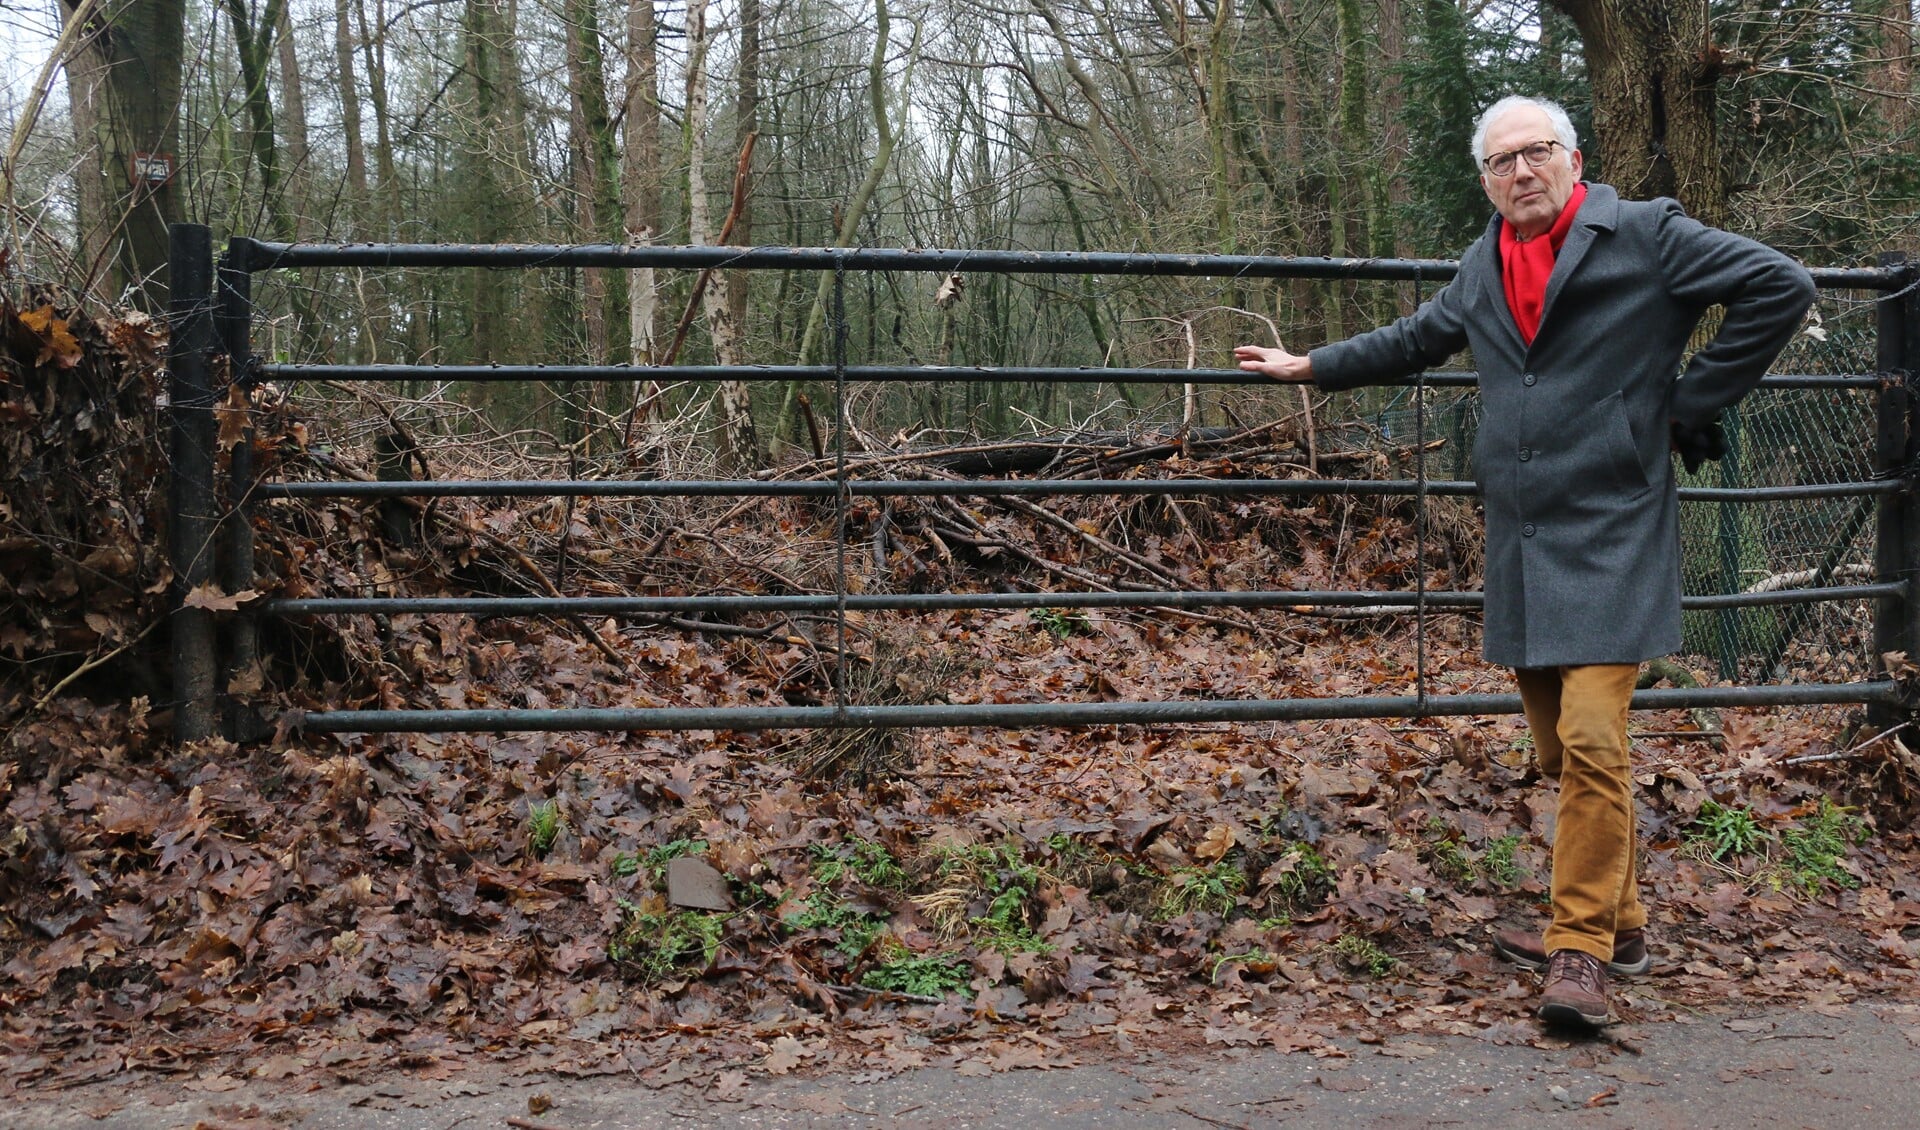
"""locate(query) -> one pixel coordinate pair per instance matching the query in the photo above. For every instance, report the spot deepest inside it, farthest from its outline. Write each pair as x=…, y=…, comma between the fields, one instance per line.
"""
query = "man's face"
x=1530, y=199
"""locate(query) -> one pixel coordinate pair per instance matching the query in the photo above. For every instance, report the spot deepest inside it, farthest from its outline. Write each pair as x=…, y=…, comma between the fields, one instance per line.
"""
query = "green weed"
x=624, y=864
x=1360, y=955
x=659, y=947
x=1451, y=861
x=921, y=975
x=1812, y=848
x=658, y=857
x=1497, y=864
x=543, y=827
x=1725, y=832
x=1306, y=878
x=824, y=910
x=1061, y=623
x=1214, y=889
x=1444, y=854
x=997, y=873
x=865, y=860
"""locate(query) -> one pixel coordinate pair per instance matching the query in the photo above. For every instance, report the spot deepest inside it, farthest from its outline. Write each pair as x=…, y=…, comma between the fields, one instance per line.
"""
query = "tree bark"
x=882, y=157
x=1654, y=95
x=1885, y=48
x=255, y=48
x=293, y=100
x=123, y=86
x=736, y=407
x=595, y=171
x=640, y=174
x=746, y=119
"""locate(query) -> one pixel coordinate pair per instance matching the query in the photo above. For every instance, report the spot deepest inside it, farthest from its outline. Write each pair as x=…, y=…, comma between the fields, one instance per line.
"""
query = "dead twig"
x=1818, y=758
x=72, y=676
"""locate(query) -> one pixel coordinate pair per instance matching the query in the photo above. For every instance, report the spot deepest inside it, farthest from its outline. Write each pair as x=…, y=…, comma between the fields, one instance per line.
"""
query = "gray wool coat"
x=1572, y=457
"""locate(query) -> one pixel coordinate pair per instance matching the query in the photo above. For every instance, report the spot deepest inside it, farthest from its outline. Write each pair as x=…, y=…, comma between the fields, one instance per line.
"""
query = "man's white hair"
x=1556, y=116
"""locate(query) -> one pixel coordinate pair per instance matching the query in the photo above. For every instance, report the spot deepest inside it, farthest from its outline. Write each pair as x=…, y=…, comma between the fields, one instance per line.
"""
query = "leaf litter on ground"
x=995, y=899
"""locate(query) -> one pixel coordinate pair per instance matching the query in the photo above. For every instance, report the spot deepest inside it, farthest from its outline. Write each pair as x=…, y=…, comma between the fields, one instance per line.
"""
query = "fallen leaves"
x=386, y=890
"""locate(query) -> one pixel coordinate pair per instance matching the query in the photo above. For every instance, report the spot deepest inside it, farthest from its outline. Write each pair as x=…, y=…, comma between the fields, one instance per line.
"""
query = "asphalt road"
x=1857, y=1066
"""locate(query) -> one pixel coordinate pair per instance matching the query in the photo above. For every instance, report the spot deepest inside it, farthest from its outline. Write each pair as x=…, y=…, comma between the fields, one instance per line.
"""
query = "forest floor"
x=717, y=912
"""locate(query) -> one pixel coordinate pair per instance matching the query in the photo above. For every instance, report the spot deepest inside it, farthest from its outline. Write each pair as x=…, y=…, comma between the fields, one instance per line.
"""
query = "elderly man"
x=1577, y=305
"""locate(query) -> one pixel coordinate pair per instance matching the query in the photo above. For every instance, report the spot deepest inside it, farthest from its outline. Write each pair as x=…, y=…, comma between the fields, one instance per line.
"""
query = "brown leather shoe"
x=1575, y=992
x=1525, y=949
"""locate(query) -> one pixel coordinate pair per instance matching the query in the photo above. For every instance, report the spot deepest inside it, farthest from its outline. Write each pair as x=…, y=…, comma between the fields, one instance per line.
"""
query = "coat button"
x=1526, y=453
x=1528, y=380
x=1526, y=531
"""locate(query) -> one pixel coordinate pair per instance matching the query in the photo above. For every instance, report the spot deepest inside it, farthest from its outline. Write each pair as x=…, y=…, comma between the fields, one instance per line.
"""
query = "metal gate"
x=212, y=543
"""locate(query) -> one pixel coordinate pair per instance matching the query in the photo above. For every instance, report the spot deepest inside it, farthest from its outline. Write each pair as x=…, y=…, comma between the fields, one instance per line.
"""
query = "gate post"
x=1897, y=533
x=233, y=316
x=195, y=513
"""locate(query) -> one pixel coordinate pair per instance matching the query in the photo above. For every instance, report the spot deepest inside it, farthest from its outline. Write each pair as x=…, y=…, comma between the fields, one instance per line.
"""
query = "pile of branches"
x=692, y=546
x=83, y=572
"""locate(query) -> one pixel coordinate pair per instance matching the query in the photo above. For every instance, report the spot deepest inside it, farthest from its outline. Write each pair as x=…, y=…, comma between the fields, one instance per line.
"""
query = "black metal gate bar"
x=1898, y=556
x=1019, y=715
x=266, y=255
x=1421, y=490
x=1898, y=524
x=233, y=310
x=899, y=374
x=984, y=488
x=1390, y=603
x=195, y=509
x=842, y=497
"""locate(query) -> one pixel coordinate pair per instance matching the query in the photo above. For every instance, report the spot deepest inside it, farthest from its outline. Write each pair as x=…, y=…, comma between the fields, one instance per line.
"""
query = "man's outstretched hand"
x=1276, y=363
x=1696, y=445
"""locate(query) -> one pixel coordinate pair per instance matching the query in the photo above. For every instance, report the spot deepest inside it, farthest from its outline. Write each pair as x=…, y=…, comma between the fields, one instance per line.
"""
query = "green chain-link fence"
x=1776, y=437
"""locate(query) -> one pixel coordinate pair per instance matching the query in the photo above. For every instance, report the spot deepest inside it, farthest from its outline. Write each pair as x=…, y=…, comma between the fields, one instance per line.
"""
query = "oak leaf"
x=57, y=343
x=209, y=597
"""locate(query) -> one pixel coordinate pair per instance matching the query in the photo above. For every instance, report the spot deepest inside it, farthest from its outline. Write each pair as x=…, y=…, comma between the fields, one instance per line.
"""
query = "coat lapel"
x=1597, y=212
x=1492, y=287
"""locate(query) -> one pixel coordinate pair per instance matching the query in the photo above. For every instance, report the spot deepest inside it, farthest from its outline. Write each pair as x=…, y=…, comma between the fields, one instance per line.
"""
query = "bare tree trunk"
x=742, y=440
x=1886, y=43
x=640, y=175
x=1654, y=93
x=746, y=117
x=293, y=100
x=882, y=156
x=1392, y=149
x=595, y=184
x=123, y=85
x=355, y=145
x=255, y=49
x=1099, y=125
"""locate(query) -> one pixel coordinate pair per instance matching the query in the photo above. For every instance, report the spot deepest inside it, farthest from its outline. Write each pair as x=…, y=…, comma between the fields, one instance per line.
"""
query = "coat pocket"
x=1623, y=448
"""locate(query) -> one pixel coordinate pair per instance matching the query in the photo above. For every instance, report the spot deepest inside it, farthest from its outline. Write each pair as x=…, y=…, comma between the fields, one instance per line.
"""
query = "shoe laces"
x=1581, y=968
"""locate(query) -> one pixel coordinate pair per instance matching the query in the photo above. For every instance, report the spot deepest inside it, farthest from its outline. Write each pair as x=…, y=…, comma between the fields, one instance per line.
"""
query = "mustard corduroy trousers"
x=1578, y=716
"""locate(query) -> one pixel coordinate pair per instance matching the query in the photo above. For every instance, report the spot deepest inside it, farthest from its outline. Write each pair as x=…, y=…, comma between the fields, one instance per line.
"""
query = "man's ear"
x=1579, y=164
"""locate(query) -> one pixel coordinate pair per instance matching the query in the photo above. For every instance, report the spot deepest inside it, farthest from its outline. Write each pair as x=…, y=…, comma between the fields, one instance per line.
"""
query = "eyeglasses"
x=1537, y=154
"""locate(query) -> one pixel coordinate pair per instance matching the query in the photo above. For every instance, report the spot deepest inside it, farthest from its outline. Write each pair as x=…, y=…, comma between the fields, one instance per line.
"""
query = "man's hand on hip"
x=1696, y=445
x=1275, y=363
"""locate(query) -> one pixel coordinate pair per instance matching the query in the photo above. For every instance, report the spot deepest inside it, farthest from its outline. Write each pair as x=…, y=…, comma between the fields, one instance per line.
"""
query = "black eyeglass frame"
x=1514, y=156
